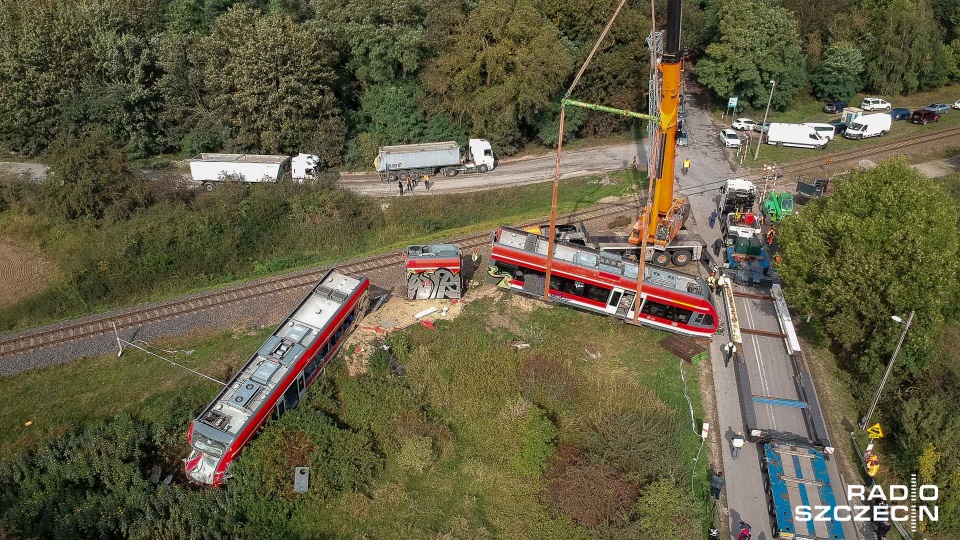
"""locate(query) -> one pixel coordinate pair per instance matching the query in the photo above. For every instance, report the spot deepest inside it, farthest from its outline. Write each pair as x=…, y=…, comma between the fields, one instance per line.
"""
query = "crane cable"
x=556, y=177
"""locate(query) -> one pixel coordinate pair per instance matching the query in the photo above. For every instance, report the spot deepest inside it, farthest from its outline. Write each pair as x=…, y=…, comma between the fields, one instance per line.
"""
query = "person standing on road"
x=713, y=219
x=400, y=185
x=426, y=181
x=729, y=350
x=686, y=166
x=717, y=246
x=738, y=442
x=712, y=282
x=716, y=484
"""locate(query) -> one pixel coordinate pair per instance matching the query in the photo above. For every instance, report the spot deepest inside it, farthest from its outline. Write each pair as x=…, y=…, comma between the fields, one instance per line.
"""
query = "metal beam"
x=603, y=108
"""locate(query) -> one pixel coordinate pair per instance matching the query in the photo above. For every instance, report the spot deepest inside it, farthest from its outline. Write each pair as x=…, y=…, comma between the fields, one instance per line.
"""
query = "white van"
x=797, y=135
x=869, y=125
x=827, y=131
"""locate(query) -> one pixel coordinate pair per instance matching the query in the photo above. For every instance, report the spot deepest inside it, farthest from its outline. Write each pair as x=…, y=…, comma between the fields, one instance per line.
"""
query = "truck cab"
x=480, y=157
x=736, y=194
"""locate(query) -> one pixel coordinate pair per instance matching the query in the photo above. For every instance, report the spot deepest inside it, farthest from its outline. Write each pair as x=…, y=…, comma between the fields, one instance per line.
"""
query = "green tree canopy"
x=272, y=80
x=503, y=66
x=757, y=42
x=90, y=179
x=883, y=243
x=902, y=45
x=838, y=75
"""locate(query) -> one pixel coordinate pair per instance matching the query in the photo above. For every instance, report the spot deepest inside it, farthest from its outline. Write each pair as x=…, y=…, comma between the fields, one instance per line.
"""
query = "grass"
x=373, y=226
x=806, y=109
x=470, y=377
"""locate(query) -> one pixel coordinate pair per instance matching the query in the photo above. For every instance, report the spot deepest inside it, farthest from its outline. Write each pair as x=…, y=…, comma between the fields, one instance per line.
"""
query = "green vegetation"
x=479, y=439
x=742, y=61
x=179, y=241
x=838, y=75
x=885, y=242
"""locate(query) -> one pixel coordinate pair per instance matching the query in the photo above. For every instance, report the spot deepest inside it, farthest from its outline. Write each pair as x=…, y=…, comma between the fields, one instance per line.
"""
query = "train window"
x=310, y=368
x=292, y=396
x=615, y=298
x=300, y=383
x=586, y=259
x=598, y=294
x=703, y=319
x=655, y=309
x=350, y=318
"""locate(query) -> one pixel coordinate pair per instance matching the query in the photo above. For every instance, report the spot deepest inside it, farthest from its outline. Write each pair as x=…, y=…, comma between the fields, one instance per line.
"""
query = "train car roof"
x=433, y=251
x=603, y=261
x=249, y=389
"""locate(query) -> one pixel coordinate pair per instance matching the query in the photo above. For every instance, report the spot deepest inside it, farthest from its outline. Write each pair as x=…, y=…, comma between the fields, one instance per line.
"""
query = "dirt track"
x=22, y=273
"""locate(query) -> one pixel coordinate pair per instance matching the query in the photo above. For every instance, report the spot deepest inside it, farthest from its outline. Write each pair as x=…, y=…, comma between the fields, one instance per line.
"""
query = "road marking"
x=756, y=354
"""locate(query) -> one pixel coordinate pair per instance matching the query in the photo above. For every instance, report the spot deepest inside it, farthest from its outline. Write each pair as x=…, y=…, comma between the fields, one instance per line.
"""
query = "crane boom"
x=666, y=214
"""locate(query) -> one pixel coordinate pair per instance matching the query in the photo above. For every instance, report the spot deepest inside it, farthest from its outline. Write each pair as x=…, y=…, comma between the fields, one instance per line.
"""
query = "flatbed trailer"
x=796, y=475
x=686, y=247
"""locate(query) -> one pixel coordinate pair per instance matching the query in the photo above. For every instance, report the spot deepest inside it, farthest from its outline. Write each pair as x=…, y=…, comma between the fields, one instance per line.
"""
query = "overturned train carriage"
x=602, y=282
x=277, y=376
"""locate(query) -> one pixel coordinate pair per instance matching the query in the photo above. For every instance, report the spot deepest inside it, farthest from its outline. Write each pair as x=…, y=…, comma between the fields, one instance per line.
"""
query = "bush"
x=537, y=434
x=642, y=444
x=589, y=494
x=666, y=510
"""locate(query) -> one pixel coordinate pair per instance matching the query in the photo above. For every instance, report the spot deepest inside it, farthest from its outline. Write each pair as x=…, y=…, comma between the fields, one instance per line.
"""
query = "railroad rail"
x=98, y=325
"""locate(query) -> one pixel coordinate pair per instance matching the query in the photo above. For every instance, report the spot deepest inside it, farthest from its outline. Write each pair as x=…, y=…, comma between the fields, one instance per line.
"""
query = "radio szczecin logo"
x=914, y=503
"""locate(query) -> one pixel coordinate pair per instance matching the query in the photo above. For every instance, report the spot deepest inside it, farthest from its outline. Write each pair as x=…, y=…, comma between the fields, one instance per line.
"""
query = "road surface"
x=770, y=368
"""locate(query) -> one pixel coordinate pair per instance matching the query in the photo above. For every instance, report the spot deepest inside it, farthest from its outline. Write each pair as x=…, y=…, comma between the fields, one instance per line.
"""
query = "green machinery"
x=778, y=206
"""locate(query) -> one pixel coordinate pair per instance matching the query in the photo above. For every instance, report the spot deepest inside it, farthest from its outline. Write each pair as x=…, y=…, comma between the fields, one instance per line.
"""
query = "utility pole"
x=886, y=375
x=773, y=85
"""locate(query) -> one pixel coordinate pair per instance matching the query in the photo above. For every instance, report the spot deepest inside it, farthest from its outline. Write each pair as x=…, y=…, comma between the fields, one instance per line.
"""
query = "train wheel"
x=661, y=258
x=682, y=257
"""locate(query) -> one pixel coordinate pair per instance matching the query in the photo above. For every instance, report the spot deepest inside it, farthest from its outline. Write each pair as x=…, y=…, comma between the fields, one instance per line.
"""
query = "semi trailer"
x=413, y=161
x=207, y=169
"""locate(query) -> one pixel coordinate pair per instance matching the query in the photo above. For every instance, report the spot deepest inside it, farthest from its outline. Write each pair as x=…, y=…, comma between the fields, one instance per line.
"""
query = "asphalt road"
x=517, y=172
x=770, y=368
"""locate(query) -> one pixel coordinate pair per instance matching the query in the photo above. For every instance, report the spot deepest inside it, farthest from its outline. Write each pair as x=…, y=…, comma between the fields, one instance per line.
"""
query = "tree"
x=272, y=81
x=757, y=42
x=385, y=42
x=884, y=243
x=503, y=66
x=88, y=179
x=838, y=75
x=896, y=65
x=390, y=112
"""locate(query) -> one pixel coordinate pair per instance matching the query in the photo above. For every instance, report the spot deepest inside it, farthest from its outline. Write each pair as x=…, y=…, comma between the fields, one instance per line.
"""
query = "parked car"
x=761, y=129
x=743, y=124
x=924, y=116
x=838, y=127
x=956, y=104
x=682, y=137
x=900, y=113
x=875, y=104
x=939, y=108
x=834, y=107
x=729, y=138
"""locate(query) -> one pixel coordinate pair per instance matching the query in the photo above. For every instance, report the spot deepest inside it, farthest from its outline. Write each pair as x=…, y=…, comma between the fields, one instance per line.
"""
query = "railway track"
x=816, y=164
x=99, y=325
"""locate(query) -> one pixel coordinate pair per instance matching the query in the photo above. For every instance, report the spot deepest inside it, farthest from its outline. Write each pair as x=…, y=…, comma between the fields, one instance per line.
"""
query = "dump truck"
x=413, y=161
x=209, y=168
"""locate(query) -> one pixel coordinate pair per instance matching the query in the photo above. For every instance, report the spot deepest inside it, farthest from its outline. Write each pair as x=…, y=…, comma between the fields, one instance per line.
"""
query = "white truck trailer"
x=797, y=135
x=412, y=161
x=210, y=168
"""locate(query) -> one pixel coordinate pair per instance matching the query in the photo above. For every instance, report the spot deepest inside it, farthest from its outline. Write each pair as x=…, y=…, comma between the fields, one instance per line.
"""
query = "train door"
x=620, y=302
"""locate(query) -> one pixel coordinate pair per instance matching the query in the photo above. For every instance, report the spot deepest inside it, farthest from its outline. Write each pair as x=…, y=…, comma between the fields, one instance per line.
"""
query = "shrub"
x=537, y=434
x=666, y=510
x=642, y=444
x=590, y=494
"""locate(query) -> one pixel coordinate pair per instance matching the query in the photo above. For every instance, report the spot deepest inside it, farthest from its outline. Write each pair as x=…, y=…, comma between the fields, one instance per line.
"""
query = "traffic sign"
x=875, y=432
x=732, y=102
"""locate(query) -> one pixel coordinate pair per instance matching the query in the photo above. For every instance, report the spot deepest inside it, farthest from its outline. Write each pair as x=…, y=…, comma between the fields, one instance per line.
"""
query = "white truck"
x=412, y=161
x=869, y=125
x=207, y=169
x=798, y=135
x=736, y=194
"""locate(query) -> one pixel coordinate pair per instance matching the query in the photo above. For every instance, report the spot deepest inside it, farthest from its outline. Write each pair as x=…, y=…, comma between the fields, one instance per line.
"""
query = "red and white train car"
x=433, y=271
x=602, y=282
x=277, y=376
